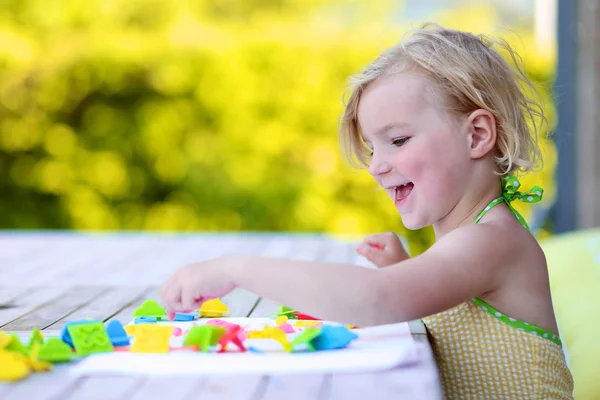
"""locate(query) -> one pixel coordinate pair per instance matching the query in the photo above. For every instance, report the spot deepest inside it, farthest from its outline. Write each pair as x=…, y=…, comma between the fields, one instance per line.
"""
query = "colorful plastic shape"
x=151, y=338
x=16, y=346
x=13, y=366
x=333, y=337
x=286, y=311
x=307, y=322
x=116, y=333
x=66, y=336
x=232, y=335
x=177, y=331
x=129, y=329
x=255, y=350
x=204, y=336
x=306, y=337
x=302, y=316
x=55, y=351
x=213, y=308
x=145, y=320
x=35, y=337
x=34, y=362
x=287, y=328
x=184, y=317
x=275, y=333
x=150, y=308
x=226, y=325
x=90, y=338
x=5, y=339
x=280, y=320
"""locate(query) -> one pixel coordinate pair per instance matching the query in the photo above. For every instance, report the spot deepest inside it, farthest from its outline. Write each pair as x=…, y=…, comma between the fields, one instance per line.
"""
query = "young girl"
x=441, y=121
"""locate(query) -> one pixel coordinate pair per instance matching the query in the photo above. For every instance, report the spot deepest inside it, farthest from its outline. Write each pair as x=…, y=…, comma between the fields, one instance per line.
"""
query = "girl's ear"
x=481, y=131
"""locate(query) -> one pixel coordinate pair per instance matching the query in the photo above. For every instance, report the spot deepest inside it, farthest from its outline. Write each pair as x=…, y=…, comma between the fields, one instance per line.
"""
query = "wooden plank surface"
x=62, y=306
x=107, y=304
x=171, y=388
x=103, y=388
x=223, y=387
x=27, y=302
x=108, y=277
x=10, y=293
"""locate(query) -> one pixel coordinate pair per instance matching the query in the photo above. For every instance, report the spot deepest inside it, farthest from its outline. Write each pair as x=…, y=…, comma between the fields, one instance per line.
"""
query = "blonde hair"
x=469, y=74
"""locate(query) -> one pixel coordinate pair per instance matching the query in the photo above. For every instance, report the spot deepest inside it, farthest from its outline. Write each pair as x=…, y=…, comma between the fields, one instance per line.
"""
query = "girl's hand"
x=382, y=249
x=193, y=284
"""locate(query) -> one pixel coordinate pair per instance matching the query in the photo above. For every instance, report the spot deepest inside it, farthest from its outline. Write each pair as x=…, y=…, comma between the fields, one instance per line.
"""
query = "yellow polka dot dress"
x=484, y=354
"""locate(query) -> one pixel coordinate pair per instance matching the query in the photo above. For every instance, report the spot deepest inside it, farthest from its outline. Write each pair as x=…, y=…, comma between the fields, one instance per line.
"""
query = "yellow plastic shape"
x=13, y=366
x=151, y=338
x=280, y=320
x=33, y=362
x=213, y=308
x=301, y=323
x=130, y=329
x=279, y=336
x=5, y=340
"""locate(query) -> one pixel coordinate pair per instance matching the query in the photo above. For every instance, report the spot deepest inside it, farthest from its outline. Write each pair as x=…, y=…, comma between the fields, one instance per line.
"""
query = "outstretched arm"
x=458, y=267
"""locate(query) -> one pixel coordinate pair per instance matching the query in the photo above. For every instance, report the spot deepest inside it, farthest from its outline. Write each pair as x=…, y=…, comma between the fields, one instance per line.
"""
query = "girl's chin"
x=411, y=224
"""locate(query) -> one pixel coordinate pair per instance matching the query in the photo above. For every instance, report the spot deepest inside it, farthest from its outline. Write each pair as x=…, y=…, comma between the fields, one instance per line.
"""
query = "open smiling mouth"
x=402, y=192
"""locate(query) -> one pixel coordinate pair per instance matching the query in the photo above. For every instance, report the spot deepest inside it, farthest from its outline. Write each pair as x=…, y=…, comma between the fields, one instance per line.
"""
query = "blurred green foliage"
x=196, y=115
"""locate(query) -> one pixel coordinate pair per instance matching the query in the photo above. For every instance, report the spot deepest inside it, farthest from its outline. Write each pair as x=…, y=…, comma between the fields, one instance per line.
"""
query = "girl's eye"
x=399, y=141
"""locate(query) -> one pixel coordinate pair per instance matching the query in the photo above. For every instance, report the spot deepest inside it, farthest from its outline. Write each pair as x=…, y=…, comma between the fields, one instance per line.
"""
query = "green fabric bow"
x=510, y=192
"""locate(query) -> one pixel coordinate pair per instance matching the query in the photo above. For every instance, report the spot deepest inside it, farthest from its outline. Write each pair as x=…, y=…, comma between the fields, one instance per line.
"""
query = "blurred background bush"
x=210, y=114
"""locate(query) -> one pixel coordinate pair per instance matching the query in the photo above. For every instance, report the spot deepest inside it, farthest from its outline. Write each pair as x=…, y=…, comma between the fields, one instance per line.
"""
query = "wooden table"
x=47, y=279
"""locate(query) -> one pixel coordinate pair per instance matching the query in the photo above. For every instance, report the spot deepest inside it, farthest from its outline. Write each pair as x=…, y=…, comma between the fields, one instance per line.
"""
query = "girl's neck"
x=468, y=208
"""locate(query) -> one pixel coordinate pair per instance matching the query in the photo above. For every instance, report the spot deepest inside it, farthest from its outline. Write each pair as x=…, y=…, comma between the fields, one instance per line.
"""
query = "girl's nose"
x=379, y=167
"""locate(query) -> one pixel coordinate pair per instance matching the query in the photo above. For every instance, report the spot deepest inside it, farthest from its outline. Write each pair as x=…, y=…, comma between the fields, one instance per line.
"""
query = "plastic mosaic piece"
x=16, y=345
x=270, y=332
x=280, y=320
x=213, y=308
x=54, y=351
x=288, y=312
x=66, y=336
x=184, y=317
x=129, y=329
x=36, y=337
x=5, y=339
x=233, y=335
x=90, y=338
x=116, y=333
x=151, y=338
x=12, y=366
x=227, y=325
x=306, y=338
x=145, y=320
x=302, y=316
x=150, y=308
x=177, y=331
x=333, y=337
x=307, y=322
x=287, y=328
x=204, y=336
x=34, y=362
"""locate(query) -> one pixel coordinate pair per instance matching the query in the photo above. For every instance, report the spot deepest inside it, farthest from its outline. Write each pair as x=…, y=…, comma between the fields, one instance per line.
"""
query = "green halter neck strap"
x=510, y=192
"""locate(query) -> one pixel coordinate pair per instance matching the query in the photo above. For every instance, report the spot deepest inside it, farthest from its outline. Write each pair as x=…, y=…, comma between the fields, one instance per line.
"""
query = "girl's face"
x=420, y=152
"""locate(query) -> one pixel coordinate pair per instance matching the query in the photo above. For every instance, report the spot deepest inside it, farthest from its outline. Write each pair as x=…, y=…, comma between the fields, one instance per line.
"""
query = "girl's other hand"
x=382, y=249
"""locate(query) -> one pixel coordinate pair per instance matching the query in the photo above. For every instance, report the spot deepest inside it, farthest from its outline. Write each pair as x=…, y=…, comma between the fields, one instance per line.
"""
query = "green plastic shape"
x=17, y=346
x=90, y=338
x=36, y=337
x=150, y=308
x=54, y=351
x=204, y=336
x=306, y=337
x=287, y=311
